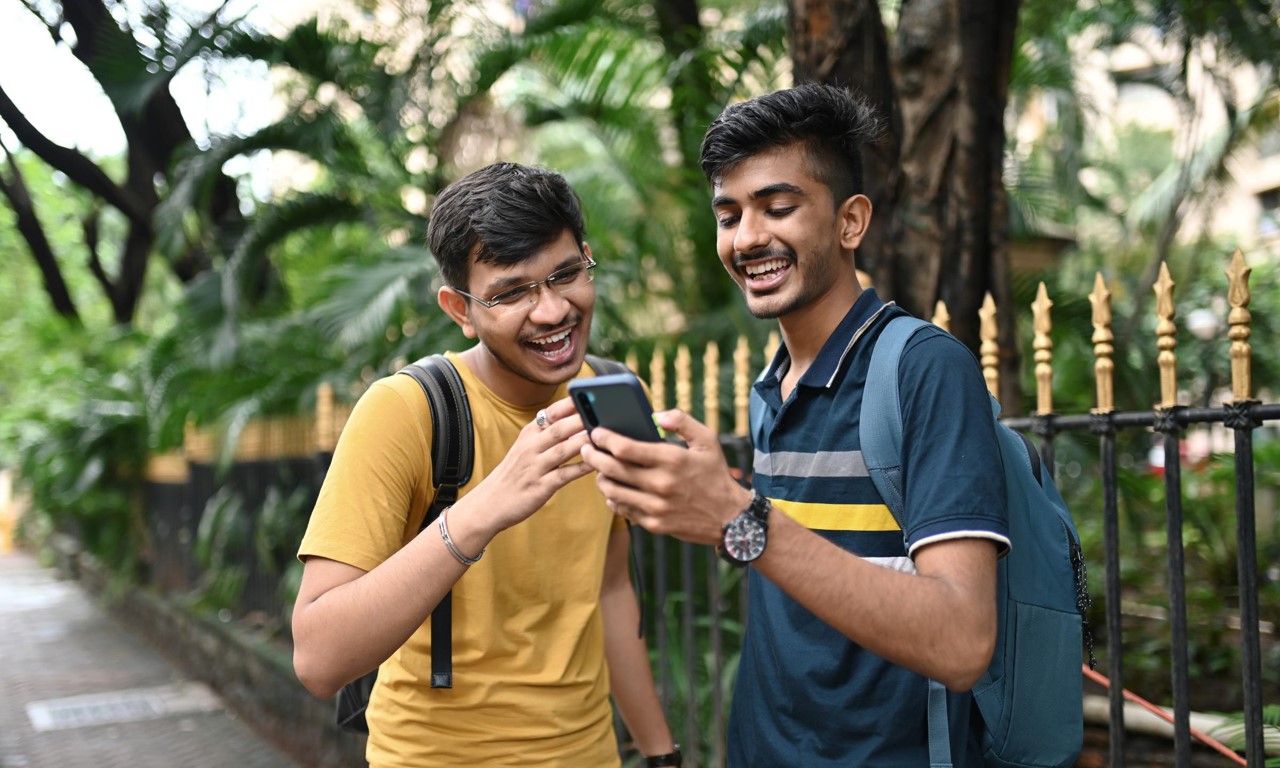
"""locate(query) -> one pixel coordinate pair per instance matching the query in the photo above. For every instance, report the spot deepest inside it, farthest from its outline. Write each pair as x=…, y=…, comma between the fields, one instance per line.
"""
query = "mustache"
x=770, y=253
x=547, y=329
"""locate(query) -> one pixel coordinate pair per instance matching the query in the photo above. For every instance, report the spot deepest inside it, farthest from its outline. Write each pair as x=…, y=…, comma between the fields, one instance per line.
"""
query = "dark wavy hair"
x=504, y=213
x=831, y=123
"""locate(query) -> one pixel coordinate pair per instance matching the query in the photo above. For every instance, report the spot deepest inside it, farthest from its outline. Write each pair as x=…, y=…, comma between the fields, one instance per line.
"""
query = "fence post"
x=1240, y=418
x=1104, y=427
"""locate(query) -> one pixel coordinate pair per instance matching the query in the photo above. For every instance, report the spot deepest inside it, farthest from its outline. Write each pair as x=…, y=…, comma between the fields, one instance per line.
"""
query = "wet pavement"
x=79, y=689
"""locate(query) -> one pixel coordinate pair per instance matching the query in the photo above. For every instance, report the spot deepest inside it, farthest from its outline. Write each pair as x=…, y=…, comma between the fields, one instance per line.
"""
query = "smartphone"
x=617, y=402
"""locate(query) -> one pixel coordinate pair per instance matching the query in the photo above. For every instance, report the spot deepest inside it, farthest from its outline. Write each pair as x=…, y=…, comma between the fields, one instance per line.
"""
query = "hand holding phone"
x=616, y=402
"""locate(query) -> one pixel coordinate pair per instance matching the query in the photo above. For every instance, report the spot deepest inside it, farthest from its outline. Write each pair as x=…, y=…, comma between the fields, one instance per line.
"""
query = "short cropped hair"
x=831, y=123
x=504, y=213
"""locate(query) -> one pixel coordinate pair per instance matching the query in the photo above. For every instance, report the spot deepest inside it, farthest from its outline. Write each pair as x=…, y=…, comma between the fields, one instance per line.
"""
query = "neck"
x=806, y=330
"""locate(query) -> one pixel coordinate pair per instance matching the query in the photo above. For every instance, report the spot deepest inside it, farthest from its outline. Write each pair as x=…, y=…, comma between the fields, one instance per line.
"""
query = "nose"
x=751, y=233
x=549, y=306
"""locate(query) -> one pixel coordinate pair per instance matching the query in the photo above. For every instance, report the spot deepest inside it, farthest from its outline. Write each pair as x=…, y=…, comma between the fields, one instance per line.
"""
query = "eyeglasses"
x=562, y=281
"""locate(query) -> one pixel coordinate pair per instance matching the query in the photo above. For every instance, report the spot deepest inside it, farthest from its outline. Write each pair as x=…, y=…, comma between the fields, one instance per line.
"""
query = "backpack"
x=1031, y=696
x=452, y=446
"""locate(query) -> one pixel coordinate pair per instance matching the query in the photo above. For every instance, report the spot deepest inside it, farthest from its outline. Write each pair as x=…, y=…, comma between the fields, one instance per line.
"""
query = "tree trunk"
x=942, y=229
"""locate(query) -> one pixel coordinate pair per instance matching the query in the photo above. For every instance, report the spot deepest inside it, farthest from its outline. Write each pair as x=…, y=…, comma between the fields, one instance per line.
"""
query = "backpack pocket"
x=1035, y=711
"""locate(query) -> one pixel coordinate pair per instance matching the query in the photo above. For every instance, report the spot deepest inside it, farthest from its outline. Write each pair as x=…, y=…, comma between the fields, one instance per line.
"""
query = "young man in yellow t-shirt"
x=544, y=625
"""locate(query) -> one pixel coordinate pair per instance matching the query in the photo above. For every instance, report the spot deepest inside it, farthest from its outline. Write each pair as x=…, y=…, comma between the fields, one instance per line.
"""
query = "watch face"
x=744, y=538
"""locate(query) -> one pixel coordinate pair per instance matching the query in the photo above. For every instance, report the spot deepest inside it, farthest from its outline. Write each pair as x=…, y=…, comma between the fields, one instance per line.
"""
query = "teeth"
x=768, y=266
x=556, y=339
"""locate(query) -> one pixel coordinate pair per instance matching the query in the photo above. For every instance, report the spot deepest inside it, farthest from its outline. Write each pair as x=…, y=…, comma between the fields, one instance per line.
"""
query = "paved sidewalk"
x=78, y=689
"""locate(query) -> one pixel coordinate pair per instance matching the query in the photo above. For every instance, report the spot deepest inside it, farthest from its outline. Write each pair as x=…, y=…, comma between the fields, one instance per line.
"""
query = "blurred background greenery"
x=211, y=278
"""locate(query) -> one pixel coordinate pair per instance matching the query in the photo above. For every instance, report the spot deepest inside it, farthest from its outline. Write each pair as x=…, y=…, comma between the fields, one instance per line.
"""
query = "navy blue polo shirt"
x=805, y=694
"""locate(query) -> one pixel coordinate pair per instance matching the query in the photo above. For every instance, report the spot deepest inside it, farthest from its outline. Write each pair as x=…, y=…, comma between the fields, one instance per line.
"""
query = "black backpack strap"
x=452, y=445
x=603, y=366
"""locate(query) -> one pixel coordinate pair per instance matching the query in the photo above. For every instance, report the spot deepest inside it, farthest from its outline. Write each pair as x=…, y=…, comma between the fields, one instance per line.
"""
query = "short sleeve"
x=952, y=475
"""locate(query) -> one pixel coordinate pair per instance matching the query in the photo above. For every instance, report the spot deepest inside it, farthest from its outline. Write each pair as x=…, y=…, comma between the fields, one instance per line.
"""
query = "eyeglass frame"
x=533, y=287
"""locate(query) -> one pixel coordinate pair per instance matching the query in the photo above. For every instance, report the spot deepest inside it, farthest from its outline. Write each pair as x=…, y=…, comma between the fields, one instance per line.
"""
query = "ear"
x=458, y=308
x=853, y=218
x=586, y=249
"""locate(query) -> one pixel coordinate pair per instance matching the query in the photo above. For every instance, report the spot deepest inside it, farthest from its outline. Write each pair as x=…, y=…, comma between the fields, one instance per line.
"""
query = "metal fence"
x=696, y=607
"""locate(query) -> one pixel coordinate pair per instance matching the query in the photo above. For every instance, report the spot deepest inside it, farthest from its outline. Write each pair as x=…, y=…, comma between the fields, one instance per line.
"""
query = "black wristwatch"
x=743, y=538
x=669, y=759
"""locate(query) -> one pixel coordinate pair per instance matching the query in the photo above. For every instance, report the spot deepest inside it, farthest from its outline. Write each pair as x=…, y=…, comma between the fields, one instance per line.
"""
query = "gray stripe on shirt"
x=820, y=464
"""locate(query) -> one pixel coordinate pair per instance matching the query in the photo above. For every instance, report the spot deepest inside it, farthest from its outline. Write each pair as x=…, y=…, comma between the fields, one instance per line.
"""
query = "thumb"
x=689, y=429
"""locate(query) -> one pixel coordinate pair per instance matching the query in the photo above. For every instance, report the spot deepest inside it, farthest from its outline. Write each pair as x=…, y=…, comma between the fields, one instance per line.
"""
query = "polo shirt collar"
x=831, y=357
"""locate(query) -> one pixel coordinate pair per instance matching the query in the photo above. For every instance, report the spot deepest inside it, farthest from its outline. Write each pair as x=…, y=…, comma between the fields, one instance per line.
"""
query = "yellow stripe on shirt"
x=839, y=517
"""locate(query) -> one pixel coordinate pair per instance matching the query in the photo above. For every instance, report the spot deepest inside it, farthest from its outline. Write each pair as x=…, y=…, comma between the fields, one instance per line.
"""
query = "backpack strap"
x=452, y=445
x=880, y=437
x=880, y=420
x=603, y=366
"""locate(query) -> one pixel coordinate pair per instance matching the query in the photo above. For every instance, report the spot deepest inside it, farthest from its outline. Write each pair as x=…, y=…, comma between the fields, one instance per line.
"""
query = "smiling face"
x=781, y=236
x=527, y=350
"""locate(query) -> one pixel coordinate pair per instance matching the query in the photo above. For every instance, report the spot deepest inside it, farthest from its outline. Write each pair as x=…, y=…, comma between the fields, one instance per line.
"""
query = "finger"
x=562, y=427
x=692, y=431
x=563, y=452
x=560, y=409
x=567, y=473
x=608, y=465
x=638, y=452
x=624, y=498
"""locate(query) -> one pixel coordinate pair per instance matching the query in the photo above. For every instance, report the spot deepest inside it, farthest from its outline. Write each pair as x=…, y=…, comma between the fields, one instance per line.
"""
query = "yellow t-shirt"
x=530, y=683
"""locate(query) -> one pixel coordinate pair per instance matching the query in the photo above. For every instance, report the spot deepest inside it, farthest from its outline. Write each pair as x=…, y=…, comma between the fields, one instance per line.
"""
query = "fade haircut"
x=832, y=124
x=504, y=213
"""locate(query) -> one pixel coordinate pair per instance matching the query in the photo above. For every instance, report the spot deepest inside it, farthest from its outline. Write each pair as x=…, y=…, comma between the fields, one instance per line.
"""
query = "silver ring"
x=541, y=419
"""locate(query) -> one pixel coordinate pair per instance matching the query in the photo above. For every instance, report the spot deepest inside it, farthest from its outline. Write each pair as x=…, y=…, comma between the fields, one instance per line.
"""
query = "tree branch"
x=75, y=165
x=89, y=225
x=15, y=189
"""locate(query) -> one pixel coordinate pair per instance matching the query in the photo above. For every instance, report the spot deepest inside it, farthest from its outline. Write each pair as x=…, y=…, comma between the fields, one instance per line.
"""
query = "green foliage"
x=224, y=533
x=81, y=454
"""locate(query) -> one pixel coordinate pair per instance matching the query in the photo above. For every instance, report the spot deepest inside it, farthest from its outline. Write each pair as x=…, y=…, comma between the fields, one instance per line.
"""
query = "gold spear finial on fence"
x=741, y=385
x=658, y=379
x=1166, y=341
x=771, y=345
x=989, y=349
x=326, y=431
x=684, y=379
x=711, y=386
x=1104, y=367
x=1238, y=297
x=941, y=317
x=1044, y=350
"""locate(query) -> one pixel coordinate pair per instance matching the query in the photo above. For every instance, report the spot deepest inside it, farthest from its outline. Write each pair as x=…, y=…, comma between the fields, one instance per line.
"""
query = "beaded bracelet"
x=448, y=542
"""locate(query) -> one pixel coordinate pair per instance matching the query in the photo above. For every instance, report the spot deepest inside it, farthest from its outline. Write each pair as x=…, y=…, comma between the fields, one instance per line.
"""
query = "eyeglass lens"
x=561, y=281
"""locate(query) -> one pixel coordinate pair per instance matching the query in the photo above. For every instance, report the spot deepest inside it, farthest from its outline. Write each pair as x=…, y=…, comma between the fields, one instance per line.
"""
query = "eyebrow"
x=780, y=188
x=503, y=283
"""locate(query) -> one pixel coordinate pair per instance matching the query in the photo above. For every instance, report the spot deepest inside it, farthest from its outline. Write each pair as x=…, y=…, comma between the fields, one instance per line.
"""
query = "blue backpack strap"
x=880, y=437
x=880, y=421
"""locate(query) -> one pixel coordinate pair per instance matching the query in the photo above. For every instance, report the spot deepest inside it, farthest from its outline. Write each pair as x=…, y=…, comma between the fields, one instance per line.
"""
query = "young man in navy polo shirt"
x=849, y=614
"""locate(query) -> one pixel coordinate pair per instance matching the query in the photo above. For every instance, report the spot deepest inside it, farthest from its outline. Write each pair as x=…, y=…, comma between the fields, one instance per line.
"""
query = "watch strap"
x=660, y=761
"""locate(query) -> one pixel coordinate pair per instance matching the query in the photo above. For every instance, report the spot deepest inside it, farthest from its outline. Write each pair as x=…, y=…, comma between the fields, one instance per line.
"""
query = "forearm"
x=939, y=622
x=630, y=676
x=342, y=630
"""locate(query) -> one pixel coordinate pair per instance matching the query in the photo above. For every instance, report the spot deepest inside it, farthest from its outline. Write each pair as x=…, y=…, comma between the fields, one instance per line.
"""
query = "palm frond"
x=362, y=299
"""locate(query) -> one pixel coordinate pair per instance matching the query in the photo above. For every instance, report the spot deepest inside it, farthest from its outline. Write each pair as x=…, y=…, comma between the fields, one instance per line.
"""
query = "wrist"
x=672, y=758
x=470, y=531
